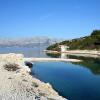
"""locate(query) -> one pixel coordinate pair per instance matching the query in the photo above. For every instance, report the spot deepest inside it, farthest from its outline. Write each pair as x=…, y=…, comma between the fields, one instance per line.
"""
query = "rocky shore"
x=17, y=84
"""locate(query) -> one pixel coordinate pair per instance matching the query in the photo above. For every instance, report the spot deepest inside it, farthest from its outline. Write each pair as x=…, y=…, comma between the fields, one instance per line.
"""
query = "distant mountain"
x=88, y=42
x=28, y=42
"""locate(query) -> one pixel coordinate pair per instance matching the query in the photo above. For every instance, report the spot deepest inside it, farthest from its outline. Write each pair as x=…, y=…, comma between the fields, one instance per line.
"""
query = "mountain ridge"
x=28, y=42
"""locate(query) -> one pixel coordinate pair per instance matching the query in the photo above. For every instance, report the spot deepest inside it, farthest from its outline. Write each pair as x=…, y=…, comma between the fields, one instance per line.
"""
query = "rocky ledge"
x=17, y=84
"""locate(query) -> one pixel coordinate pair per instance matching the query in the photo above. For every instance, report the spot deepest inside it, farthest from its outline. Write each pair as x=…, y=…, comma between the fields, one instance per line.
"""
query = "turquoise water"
x=74, y=81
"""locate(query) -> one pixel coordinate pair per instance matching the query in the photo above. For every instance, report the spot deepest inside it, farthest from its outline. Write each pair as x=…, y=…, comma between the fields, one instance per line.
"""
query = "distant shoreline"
x=77, y=52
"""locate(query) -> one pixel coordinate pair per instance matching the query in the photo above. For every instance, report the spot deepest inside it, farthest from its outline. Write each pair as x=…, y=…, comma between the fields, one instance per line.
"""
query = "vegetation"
x=11, y=67
x=91, y=63
x=88, y=42
x=34, y=84
x=54, y=55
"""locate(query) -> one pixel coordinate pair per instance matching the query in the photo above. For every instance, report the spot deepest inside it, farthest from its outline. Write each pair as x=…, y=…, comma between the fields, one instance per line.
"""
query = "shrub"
x=11, y=67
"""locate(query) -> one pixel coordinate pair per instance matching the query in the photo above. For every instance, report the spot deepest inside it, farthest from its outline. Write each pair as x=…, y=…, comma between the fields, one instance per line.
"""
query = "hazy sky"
x=53, y=18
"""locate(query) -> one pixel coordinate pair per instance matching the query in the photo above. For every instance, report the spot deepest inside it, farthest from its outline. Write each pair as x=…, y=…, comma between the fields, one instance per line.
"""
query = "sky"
x=53, y=18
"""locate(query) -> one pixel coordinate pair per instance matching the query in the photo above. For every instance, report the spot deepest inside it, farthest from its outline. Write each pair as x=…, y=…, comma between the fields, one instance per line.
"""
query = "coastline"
x=91, y=53
x=20, y=85
x=50, y=59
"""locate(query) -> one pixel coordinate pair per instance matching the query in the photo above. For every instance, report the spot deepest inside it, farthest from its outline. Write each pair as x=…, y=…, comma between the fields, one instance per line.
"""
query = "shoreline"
x=20, y=85
x=91, y=53
x=50, y=59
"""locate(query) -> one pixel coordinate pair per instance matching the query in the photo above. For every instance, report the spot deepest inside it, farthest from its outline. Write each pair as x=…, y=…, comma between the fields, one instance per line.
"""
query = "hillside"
x=88, y=42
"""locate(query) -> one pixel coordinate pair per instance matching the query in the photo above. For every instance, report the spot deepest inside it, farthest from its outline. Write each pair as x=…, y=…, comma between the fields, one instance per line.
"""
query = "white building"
x=64, y=48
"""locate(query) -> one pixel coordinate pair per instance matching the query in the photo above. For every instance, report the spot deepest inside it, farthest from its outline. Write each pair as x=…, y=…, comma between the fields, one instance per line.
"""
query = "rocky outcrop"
x=19, y=85
x=12, y=58
x=29, y=64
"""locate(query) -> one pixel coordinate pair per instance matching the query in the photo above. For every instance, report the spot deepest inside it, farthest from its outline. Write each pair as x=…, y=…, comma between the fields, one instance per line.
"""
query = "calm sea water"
x=28, y=52
x=74, y=81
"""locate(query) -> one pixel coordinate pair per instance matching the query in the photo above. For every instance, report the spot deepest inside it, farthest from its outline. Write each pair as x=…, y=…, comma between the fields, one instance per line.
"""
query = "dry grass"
x=11, y=67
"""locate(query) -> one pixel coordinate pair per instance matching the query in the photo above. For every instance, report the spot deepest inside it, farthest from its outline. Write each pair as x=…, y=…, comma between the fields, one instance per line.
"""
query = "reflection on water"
x=57, y=55
x=91, y=63
x=53, y=55
x=73, y=81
